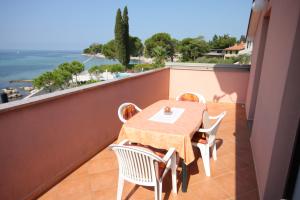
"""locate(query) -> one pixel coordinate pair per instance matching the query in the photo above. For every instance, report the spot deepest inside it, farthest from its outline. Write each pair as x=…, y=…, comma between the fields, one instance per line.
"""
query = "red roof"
x=236, y=47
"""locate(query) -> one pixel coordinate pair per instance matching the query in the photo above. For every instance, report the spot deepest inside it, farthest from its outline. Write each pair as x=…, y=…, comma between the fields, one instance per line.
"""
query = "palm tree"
x=160, y=54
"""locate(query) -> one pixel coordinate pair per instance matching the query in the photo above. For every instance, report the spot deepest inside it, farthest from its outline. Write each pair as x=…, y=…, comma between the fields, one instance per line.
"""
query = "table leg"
x=184, y=177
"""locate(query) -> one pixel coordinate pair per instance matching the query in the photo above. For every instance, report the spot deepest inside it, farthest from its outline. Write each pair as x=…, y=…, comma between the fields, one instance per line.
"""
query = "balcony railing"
x=45, y=138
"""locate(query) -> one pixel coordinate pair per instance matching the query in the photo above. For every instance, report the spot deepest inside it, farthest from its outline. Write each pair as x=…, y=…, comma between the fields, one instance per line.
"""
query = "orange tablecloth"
x=164, y=135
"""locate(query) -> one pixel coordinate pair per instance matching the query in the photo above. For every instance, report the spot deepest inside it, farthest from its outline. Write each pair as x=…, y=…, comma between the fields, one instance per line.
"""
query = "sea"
x=28, y=64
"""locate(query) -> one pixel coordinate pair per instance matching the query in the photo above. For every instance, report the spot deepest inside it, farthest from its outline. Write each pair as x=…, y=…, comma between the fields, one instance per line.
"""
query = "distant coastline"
x=141, y=59
x=19, y=67
x=98, y=55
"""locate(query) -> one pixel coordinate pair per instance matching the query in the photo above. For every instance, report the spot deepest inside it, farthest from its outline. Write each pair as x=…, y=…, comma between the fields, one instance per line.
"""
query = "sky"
x=75, y=24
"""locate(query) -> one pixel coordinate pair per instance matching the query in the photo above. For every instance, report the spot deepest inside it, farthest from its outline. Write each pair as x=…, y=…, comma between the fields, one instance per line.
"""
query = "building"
x=249, y=45
x=273, y=95
x=219, y=53
x=234, y=50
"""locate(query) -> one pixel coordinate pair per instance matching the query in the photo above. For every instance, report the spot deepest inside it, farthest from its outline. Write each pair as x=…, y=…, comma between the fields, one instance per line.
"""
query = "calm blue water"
x=27, y=64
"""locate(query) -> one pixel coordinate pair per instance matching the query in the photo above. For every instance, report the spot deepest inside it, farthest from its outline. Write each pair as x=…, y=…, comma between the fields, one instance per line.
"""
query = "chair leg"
x=204, y=149
x=157, y=191
x=120, y=188
x=214, y=151
x=160, y=191
x=174, y=174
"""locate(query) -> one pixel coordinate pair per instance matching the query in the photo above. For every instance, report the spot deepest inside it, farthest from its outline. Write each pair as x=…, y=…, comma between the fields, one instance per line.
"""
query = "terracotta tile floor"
x=233, y=175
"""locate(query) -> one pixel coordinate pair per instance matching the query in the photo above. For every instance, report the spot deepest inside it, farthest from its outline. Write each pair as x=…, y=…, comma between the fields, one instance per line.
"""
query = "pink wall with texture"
x=271, y=143
x=216, y=85
x=44, y=140
x=255, y=70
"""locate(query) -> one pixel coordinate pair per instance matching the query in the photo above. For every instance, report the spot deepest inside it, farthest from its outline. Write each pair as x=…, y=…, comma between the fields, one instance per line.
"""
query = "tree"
x=126, y=36
x=192, y=48
x=243, y=59
x=96, y=48
x=76, y=68
x=109, y=50
x=65, y=66
x=200, y=37
x=45, y=80
x=87, y=51
x=242, y=39
x=222, y=42
x=62, y=76
x=119, y=39
x=162, y=40
x=176, y=44
x=136, y=46
x=159, y=54
x=93, y=49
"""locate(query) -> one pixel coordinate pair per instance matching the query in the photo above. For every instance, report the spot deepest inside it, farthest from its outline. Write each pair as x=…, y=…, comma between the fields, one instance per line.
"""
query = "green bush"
x=90, y=81
x=145, y=67
x=110, y=68
x=216, y=60
x=95, y=70
x=243, y=59
x=130, y=66
x=113, y=68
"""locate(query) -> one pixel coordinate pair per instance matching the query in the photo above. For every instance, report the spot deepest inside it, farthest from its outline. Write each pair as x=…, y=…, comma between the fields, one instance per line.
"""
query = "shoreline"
x=21, y=81
x=99, y=55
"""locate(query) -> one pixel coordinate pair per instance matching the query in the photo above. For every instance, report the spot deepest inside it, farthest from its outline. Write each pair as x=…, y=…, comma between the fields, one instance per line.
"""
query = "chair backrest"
x=122, y=108
x=191, y=96
x=205, y=120
x=214, y=128
x=137, y=165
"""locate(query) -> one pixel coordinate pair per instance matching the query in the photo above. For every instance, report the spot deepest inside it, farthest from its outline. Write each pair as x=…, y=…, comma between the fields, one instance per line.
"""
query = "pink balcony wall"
x=219, y=85
x=43, y=141
x=44, y=138
x=277, y=109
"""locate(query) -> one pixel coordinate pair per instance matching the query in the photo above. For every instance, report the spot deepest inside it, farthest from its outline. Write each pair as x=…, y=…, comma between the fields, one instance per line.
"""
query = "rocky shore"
x=15, y=93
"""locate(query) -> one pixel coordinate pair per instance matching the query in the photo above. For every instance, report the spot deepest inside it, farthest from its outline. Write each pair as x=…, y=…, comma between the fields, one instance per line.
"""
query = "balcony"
x=55, y=146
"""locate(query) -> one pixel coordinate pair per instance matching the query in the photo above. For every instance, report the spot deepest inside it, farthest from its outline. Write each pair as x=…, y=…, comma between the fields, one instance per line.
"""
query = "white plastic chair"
x=122, y=106
x=211, y=142
x=139, y=165
x=200, y=97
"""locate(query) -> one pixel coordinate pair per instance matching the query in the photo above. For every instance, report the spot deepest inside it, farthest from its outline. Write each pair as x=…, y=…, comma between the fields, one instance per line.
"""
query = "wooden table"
x=163, y=135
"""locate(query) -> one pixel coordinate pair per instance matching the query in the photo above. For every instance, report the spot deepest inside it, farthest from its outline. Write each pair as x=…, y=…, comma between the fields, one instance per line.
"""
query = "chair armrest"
x=218, y=116
x=219, y=119
x=170, y=152
x=205, y=130
x=124, y=142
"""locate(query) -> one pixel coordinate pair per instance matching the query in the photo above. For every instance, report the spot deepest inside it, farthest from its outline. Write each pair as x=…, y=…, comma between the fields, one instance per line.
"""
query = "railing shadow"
x=245, y=178
x=132, y=191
